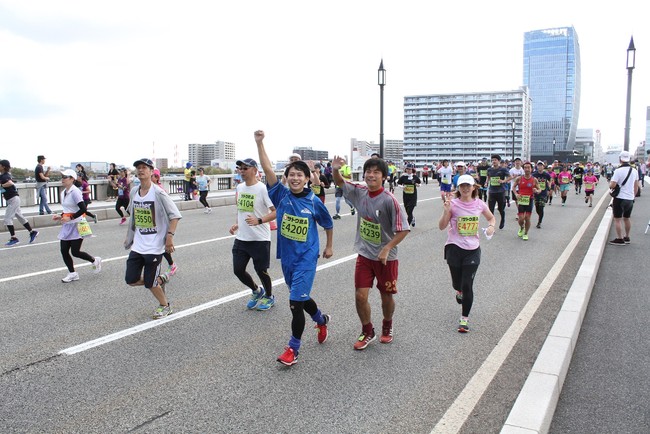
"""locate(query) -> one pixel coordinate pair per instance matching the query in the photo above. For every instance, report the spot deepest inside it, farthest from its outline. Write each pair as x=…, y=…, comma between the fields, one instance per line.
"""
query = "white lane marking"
x=104, y=260
x=182, y=314
x=458, y=413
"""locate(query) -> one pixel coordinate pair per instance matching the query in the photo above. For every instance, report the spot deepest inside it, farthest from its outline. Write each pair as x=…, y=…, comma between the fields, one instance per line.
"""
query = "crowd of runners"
x=294, y=205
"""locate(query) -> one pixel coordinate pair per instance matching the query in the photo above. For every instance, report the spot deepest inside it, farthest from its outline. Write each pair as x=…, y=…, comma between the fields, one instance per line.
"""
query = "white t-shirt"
x=151, y=224
x=445, y=174
x=253, y=200
x=627, y=190
x=515, y=172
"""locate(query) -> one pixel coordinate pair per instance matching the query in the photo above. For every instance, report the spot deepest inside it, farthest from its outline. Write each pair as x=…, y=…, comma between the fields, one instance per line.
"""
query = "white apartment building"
x=203, y=154
x=467, y=126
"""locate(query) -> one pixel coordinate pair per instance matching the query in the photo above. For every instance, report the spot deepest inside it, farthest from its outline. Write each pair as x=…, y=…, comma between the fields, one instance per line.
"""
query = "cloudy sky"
x=105, y=81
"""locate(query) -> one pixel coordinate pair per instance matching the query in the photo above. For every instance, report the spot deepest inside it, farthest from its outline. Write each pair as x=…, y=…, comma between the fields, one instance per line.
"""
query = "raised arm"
x=271, y=178
x=337, y=163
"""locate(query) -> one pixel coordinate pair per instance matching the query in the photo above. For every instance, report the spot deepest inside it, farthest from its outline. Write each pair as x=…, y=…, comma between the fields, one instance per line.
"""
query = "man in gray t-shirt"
x=381, y=225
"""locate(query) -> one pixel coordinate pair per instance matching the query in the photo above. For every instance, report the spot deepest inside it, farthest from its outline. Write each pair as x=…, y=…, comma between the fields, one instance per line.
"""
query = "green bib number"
x=564, y=179
x=294, y=228
x=445, y=180
x=524, y=200
x=542, y=185
x=143, y=218
x=245, y=202
x=316, y=189
x=494, y=182
x=483, y=173
x=467, y=225
x=589, y=186
x=409, y=189
x=370, y=232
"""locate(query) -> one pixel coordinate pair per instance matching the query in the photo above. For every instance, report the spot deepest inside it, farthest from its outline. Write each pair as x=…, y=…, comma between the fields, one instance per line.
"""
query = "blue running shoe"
x=256, y=297
x=12, y=242
x=32, y=236
x=266, y=303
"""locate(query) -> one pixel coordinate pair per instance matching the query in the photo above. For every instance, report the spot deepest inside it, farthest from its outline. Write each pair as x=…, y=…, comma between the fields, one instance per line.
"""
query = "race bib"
x=120, y=192
x=483, y=173
x=409, y=189
x=294, y=228
x=467, y=225
x=370, y=232
x=445, y=180
x=245, y=202
x=316, y=189
x=564, y=179
x=494, y=182
x=589, y=186
x=84, y=228
x=524, y=200
x=542, y=185
x=143, y=218
x=578, y=176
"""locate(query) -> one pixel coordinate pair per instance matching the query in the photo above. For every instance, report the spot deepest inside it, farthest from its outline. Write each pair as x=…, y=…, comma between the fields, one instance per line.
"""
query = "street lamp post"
x=514, y=125
x=381, y=80
x=631, y=58
x=553, y=148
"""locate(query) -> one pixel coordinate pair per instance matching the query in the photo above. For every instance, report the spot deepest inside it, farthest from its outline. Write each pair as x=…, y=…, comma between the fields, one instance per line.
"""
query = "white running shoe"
x=70, y=277
x=97, y=265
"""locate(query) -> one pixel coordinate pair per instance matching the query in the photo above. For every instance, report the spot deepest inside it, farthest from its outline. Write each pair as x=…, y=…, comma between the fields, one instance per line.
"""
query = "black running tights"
x=539, y=208
x=203, y=198
x=239, y=263
x=75, y=246
x=500, y=200
x=462, y=279
x=298, y=309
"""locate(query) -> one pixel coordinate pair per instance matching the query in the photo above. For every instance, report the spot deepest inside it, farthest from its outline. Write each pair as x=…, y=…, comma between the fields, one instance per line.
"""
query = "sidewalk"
x=581, y=351
x=105, y=210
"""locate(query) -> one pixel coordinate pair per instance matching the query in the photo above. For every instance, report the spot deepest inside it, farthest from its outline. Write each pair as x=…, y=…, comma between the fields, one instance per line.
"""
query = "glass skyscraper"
x=552, y=75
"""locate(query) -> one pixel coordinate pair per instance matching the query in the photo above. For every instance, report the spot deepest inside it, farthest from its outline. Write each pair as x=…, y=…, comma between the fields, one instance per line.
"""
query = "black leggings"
x=298, y=309
x=500, y=200
x=75, y=246
x=462, y=279
x=539, y=208
x=409, y=211
x=202, y=198
x=122, y=202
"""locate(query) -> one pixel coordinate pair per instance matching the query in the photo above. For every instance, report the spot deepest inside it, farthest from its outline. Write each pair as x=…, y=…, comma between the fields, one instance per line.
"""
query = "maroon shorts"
x=367, y=270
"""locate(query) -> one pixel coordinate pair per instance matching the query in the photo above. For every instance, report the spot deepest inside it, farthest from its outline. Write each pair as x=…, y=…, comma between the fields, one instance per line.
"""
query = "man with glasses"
x=253, y=239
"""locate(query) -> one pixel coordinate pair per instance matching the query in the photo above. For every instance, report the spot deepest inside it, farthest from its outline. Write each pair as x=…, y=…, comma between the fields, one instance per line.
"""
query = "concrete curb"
x=534, y=408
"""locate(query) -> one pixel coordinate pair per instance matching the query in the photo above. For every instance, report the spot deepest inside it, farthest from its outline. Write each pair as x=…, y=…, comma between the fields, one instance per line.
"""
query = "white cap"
x=465, y=179
x=69, y=172
x=461, y=163
x=624, y=157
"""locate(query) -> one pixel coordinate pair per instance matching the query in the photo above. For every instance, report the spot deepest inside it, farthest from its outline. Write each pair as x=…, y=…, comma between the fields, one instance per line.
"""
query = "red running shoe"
x=322, y=329
x=289, y=357
x=364, y=339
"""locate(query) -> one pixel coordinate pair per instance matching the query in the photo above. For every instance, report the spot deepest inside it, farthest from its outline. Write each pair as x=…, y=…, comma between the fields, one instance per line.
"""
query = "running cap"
x=247, y=162
x=145, y=161
x=540, y=162
x=295, y=155
x=69, y=172
x=461, y=163
x=465, y=179
x=156, y=172
x=624, y=157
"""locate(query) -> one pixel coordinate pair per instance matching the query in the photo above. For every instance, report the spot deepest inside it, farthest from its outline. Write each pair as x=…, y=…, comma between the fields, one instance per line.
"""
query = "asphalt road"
x=214, y=370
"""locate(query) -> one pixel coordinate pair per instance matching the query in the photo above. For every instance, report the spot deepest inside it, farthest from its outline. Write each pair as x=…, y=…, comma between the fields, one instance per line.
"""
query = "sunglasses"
x=244, y=168
x=66, y=177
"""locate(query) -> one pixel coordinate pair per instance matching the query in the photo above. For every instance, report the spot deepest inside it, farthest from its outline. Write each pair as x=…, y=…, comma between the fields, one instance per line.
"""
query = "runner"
x=122, y=194
x=462, y=251
x=425, y=174
x=392, y=173
x=525, y=186
x=461, y=169
x=253, y=239
x=515, y=172
x=203, y=183
x=591, y=182
x=381, y=226
x=445, y=174
x=578, y=173
x=481, y=171
x=152, y=226
x=544, y=182
x=10, y=193
x=72, y=231
x=497, y=177
x=564, y=179
x=298, y=213
x=410, y=182
x=346, y=173
x=318, y=182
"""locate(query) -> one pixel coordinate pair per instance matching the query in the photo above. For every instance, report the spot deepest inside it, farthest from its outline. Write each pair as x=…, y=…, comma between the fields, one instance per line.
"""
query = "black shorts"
x=258, y=251
x=589, y=192
x=622, y=208
x=457, y=257
x=149, y=263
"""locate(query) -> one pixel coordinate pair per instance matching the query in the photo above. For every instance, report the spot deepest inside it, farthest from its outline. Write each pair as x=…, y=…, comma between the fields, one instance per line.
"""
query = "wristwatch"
x=259, y=221
x=171, y=233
